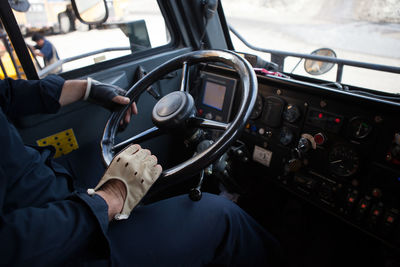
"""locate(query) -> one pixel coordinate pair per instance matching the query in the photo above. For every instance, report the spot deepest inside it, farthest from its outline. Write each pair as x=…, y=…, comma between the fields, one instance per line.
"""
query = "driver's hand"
x=123, y=100
x=137, y=169
x=109, y=96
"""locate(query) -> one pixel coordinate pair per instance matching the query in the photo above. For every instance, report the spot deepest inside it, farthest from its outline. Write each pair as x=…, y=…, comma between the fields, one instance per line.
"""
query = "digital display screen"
x=214, y=95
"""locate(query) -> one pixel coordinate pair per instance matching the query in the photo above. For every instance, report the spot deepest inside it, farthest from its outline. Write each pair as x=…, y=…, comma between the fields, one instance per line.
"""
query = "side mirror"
x=315, y=67
x=19, y=5
x=90, y=11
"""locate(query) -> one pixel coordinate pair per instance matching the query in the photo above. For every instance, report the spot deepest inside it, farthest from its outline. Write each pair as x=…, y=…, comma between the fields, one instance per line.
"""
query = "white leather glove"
x=137, y=169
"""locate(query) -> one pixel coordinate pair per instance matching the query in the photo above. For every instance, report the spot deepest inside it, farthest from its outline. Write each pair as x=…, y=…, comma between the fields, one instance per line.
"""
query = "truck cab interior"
x=315, y=161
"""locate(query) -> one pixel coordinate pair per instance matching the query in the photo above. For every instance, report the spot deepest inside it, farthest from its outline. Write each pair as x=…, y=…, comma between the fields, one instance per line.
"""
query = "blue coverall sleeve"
x=20, y=97
x=41, y=222
x=52, y=234
x=43, y=232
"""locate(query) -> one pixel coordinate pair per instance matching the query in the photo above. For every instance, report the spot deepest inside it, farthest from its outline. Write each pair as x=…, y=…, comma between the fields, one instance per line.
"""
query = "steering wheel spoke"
x=141, y=137
x=208, y=124
x=185, y=78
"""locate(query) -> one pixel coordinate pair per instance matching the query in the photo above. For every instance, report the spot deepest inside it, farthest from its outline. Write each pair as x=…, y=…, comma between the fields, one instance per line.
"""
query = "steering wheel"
x=177, y=110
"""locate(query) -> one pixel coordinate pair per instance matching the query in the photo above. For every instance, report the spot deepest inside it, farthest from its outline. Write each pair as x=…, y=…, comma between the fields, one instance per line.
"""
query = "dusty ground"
x=382, y=11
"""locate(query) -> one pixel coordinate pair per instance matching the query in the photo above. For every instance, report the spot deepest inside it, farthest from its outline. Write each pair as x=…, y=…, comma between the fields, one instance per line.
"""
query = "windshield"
x=132, y=27
x=360, y=30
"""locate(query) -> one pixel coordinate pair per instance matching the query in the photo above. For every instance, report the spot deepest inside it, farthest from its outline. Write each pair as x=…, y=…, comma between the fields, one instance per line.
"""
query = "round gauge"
x=291, y=113
x=258, y=106
x=359, y=128
x=343, y=160
x=286, y=136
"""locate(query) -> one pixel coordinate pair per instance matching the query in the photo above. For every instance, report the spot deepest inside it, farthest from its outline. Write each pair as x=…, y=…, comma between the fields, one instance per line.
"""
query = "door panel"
x=88, y=120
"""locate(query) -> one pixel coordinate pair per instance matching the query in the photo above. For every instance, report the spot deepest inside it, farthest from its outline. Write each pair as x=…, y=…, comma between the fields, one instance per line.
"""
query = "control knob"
x=304, y=145
x=306, y=142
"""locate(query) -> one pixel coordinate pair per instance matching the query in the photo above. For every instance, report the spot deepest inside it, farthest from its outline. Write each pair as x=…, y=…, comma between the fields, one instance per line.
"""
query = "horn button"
x=173, y=110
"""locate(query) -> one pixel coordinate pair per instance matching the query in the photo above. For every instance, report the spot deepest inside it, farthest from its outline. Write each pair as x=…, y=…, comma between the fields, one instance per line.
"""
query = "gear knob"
x=195, y=194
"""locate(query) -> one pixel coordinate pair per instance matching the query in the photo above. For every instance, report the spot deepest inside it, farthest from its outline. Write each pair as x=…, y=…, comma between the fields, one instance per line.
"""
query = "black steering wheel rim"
x=248, y=91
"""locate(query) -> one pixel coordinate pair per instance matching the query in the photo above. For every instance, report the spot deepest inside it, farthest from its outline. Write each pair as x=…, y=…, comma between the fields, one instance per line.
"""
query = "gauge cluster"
x=332, y=142
x=339, y=153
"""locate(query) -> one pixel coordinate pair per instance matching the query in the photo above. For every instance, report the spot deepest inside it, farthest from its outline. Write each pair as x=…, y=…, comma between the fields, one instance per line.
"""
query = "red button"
x=319, y=139
x=351, y=200
x=363, y=206
x=389, y=219
x=376, y=212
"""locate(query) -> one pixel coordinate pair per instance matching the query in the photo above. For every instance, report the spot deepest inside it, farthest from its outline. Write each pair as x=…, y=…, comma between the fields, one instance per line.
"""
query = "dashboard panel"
x=335, y=149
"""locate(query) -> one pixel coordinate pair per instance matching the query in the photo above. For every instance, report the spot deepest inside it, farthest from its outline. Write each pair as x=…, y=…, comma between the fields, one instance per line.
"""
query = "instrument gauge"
x=343, y=160
x=258, y=107
x=291, y=113
x=359, y=128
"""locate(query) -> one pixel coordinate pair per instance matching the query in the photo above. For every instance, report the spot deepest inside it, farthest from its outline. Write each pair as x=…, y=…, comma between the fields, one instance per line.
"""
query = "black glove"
x=102, y=94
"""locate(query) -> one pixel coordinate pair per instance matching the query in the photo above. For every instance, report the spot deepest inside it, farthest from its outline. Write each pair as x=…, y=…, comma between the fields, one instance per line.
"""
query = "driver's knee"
x=214, y=230
x=220, y=208
x=245, y=241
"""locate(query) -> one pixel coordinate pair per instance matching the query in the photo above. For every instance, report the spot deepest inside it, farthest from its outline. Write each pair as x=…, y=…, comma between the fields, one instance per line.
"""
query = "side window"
x=53, y=32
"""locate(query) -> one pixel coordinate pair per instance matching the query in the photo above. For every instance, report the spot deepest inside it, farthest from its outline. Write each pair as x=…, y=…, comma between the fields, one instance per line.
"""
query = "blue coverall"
x=46, y=221
x=47, y=50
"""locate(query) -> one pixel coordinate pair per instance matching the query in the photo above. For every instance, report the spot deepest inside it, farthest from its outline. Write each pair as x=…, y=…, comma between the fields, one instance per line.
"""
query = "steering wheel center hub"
x=169, y=104
x=172, y=110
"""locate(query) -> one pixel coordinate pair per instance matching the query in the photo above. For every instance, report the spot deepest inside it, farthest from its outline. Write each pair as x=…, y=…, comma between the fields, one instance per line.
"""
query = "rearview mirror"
x=315, y=67
x=90, y=11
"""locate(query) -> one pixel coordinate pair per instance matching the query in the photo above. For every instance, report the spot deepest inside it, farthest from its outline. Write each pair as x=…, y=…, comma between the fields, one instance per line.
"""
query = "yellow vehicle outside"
x=11, y=62
x=8, y=64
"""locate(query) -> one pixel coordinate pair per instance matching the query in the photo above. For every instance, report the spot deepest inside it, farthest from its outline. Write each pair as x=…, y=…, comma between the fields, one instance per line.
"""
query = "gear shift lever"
x=195, y=193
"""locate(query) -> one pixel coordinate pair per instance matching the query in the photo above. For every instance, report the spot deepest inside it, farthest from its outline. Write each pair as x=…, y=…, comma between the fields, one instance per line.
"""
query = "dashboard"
x=336, y=150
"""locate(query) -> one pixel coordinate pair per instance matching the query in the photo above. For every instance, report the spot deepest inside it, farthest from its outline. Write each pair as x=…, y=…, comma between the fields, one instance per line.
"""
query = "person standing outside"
x=47, y=50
